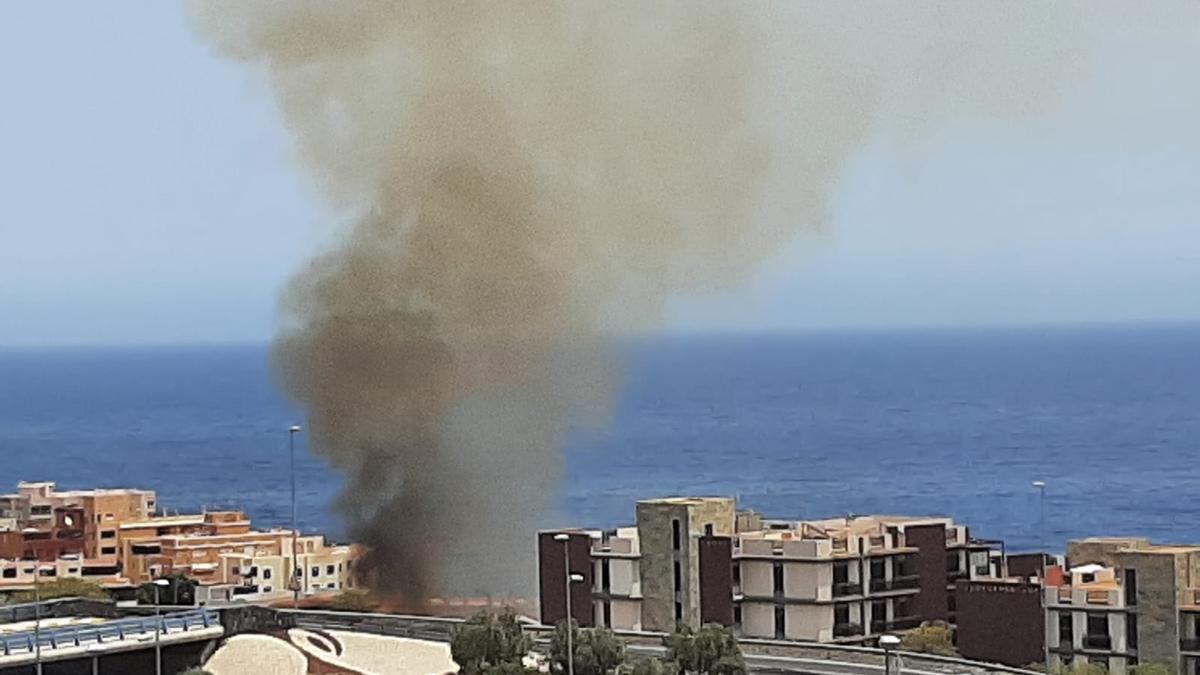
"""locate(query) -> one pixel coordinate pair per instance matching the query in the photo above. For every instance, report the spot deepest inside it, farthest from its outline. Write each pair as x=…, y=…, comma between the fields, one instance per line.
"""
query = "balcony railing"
x=1097, y=642
x=847, y=629
x=847, y=588
x=1065, y=646
x=904, y=623
x=1189, y=645
x=895, y=584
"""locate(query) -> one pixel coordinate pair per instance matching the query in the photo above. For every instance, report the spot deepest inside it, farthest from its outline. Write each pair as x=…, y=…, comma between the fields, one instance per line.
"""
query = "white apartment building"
x=1088, y=620
x=617, y=584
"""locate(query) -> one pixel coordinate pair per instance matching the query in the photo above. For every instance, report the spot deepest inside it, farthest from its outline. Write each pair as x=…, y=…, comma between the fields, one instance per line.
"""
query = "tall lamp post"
x=37, y=617
x=1041, y=488
x=158, y=583
x=292, y=431
x=888, y=642
x=569, y=579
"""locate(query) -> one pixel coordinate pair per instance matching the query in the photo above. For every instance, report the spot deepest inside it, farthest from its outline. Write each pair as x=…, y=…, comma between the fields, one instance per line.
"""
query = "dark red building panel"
x=1000, y=622
x=716, y=580
x=929, y=562
x=552, y=583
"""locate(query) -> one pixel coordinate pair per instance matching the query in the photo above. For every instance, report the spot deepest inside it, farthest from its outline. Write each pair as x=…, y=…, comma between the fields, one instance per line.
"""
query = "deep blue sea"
x=945, y=422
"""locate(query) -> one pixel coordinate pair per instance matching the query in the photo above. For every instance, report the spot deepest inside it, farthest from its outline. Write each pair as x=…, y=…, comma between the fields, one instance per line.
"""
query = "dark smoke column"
x=522, y=179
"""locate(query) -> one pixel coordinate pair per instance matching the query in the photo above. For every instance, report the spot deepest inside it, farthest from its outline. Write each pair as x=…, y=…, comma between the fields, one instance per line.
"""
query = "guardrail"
x=121, y=629
x=439, y=629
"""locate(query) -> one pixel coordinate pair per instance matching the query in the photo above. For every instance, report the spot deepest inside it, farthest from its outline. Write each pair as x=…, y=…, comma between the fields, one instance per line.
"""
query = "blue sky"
x=147, y=195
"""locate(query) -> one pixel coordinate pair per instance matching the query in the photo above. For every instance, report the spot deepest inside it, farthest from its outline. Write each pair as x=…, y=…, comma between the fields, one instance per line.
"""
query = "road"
x=761, y=663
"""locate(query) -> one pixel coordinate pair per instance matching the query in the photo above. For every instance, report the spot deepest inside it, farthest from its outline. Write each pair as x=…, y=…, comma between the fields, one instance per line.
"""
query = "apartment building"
x=263, y=573
x=699, y=560
x=35, y=506
x=851, y=579
x=21, y=575
x=1092, y=617
x=1125, y=601
x=113, y=537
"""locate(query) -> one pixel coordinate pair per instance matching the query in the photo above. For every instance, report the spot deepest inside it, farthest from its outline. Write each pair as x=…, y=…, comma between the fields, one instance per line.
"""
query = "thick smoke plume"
x=523, y=179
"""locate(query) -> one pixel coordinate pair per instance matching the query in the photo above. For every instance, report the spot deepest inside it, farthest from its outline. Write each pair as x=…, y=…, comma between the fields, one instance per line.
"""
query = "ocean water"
x=938, y=422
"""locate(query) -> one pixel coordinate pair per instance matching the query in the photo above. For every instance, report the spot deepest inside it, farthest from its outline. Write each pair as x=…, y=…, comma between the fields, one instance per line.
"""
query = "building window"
x=316, y=572
x=678, y=611
x=1131, y=588
x=678, y=577
x=266, y=572
x=329, y=570
x=676, y=539
x=108, y=550
x=780, y=622
x=1131, y=631
x=841, y=572
x=608, y=615
x=879, y=616
x=708, y=530
x=1097, y=631
x=841, y=614
x=951, y=603
x=605, y=577
x=266, y=589
x=253, y=571
x=878, y=573
x=1066, y=630
x=778, y=569
x=952, y=562
x=737, y=616
x=108, y=534
x=737, y=573
x=10, y=573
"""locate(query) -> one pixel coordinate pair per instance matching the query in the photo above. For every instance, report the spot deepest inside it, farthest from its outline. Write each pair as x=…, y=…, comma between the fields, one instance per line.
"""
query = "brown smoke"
x=524, y=178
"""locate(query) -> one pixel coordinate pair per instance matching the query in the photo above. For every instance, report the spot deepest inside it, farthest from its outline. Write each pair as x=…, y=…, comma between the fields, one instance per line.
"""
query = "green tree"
x=597, y=650
x=931, y=637
x=649, y=666
x=65, y=588
x=510, y=669
x=490, y=643
x=1152, y=669
x=352, y=601
x=180, y=590
x=1081, y=668
x=711, y=650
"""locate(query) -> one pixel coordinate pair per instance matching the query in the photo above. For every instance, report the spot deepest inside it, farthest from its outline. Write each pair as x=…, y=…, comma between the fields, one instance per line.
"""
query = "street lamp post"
x=569, y=579
x=37, y=618
x=292, y=431
x=888, y=642
x=158, y=583
x=1041, y=488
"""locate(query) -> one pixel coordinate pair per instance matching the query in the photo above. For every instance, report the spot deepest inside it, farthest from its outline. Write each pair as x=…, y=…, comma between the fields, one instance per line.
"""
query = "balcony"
x=846, y=630
x=1097, y=642
x=895, y=584
x=1189, y=644
x=1065, y=646
x=904, y=623
x=847, y=588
